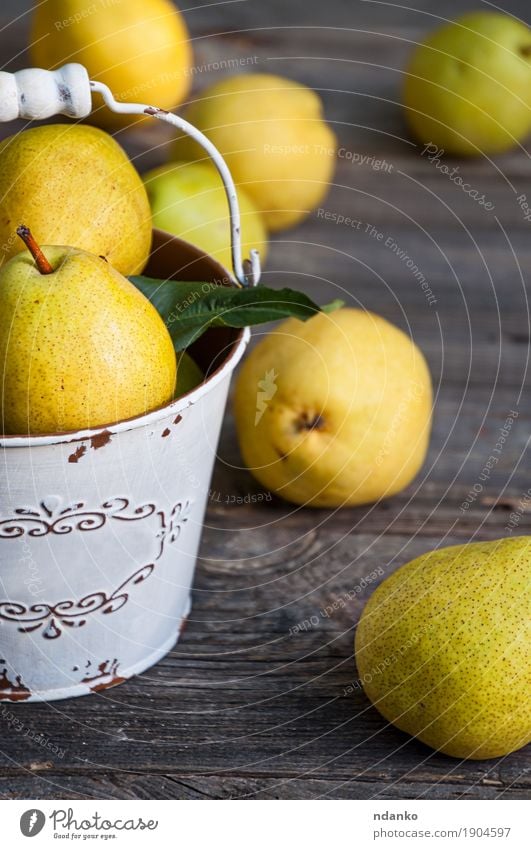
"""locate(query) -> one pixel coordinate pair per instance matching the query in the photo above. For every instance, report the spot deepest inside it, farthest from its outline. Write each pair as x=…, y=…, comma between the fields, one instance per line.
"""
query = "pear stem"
x=40, y=260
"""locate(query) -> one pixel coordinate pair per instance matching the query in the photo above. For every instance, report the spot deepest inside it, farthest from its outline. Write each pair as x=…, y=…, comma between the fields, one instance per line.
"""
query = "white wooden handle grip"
x=35, y=94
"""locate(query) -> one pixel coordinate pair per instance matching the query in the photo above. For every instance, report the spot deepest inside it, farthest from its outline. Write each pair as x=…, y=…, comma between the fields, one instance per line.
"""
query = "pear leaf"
x=190, y=308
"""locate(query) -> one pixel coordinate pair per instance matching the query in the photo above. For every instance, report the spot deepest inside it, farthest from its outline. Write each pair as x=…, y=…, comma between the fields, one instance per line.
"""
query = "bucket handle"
x=35, y=94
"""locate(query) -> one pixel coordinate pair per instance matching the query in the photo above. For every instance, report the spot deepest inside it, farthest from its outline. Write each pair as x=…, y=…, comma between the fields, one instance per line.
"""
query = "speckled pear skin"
x=80, y=347
x=75, y=186
x=443, y=648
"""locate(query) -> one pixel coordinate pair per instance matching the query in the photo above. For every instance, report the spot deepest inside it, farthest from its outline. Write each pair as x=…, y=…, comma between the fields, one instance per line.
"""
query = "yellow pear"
x=272, y=133
x=334, y=411
x=77, y=187
x=139, y=48
x=80, y=346
x=443, y=648
x=188, y=200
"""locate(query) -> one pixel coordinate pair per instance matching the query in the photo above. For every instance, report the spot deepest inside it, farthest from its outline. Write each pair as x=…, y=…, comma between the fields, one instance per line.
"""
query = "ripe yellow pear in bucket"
x=274, y=138
x=443, y=648
x=77, y=187
x=139, y=48
x=80, y=346
x=334, y=411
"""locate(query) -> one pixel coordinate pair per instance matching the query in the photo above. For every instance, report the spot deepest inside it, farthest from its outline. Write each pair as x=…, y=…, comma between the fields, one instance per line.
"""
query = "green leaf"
x=189, y=309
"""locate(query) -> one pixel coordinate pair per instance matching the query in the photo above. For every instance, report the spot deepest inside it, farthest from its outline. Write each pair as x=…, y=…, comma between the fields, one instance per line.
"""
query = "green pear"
x=189, y=375
x=468, y=86
x=77, y=187
x=443, y=648
x=80, y=346
x=188, y=200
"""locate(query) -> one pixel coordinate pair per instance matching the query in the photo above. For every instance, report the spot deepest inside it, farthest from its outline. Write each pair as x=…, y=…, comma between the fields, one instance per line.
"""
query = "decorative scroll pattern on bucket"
x=51, y=618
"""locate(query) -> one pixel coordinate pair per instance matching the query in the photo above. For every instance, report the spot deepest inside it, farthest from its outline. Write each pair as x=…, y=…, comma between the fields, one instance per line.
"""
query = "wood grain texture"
x=255, y=700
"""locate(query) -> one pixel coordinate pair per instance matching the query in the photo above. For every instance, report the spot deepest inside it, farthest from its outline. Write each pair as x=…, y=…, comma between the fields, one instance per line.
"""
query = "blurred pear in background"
x=139, y=48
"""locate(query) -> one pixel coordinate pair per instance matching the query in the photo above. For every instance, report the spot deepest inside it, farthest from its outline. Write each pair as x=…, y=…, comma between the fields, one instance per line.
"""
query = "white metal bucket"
x=99, y=530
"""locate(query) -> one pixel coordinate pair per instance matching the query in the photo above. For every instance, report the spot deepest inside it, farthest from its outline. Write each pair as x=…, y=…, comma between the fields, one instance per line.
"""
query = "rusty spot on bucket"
x=165, y=432
x=78, y=453
x=113, y=683
x=10, y=692
x=106, y=670
x=99, y=440
x=177, y=419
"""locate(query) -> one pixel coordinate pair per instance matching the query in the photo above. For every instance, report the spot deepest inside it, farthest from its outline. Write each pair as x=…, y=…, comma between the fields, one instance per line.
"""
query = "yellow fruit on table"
x=77, y=187
x=468, y=86
x=443, y=648
x=139, y=48
x=80, y=346
x=334, y=411
x=272, y=133
x=188, y=200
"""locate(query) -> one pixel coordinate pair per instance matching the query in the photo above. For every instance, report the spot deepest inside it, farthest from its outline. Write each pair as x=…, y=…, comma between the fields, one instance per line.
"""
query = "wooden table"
x=243, y=706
